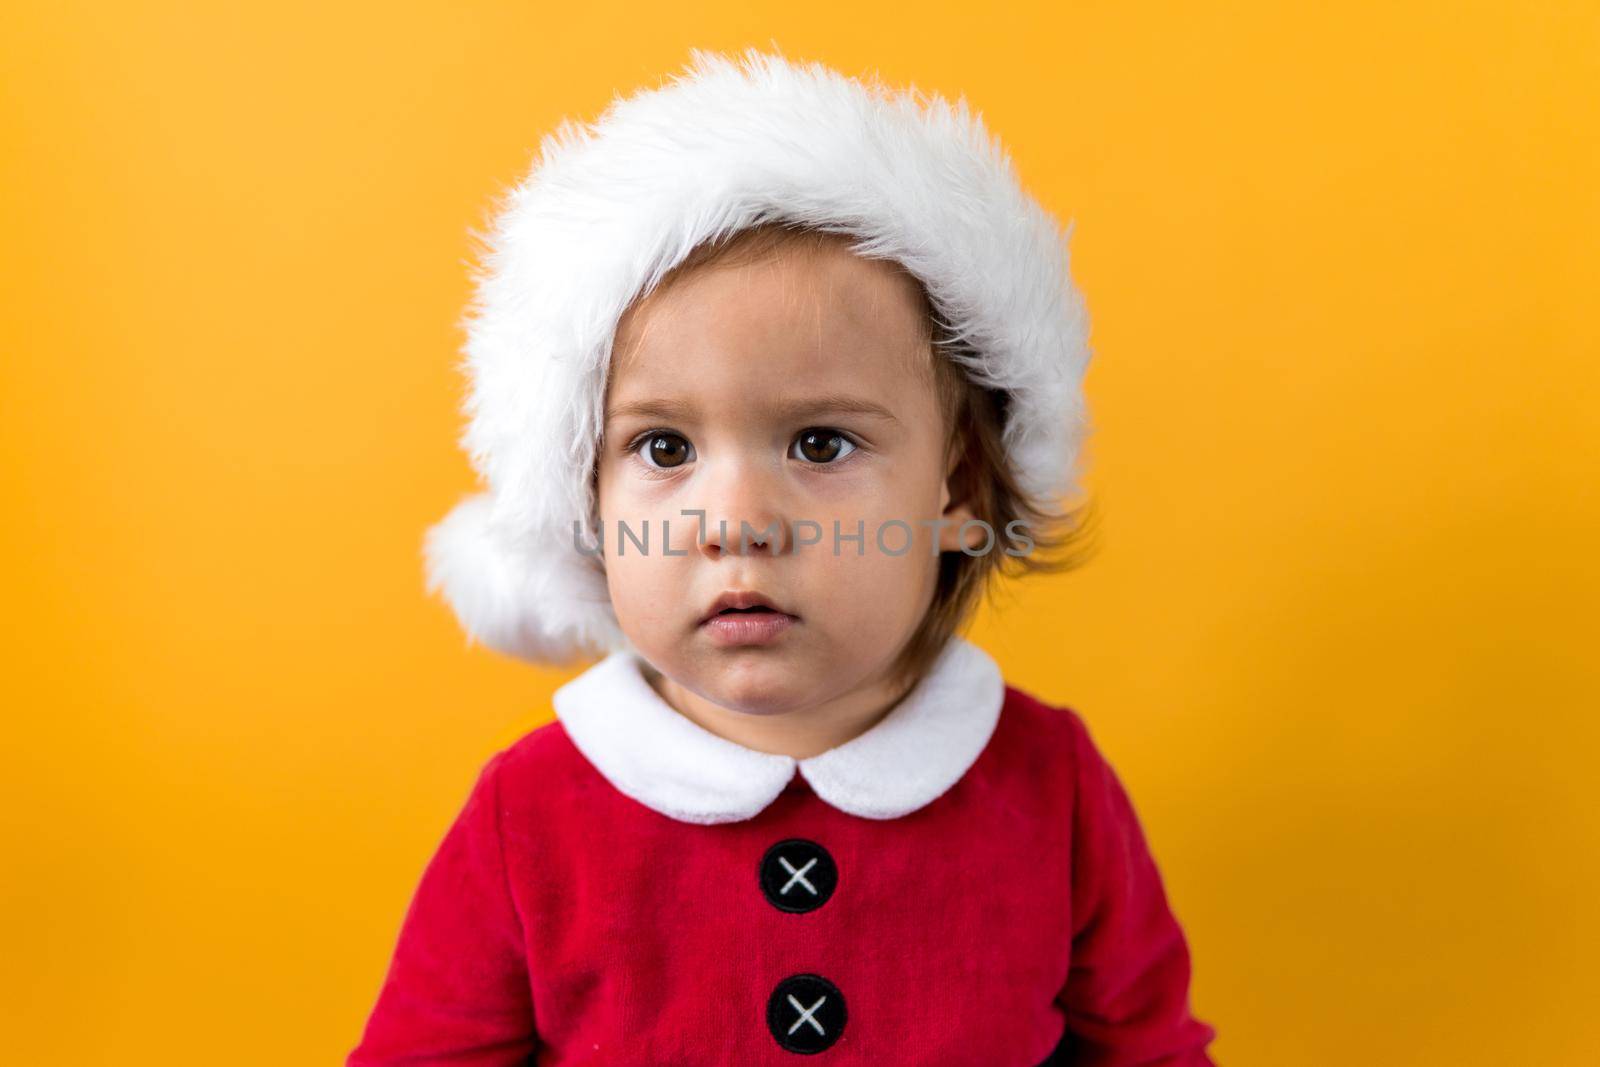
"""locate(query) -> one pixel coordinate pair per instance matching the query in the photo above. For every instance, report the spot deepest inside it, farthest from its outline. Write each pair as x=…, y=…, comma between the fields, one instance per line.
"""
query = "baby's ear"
x=956, y=497
x=951, y=538
x=957, y=510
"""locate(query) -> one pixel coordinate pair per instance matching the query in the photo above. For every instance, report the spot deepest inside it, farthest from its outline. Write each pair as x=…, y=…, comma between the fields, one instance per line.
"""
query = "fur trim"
x=611, y=207
x=671, y=764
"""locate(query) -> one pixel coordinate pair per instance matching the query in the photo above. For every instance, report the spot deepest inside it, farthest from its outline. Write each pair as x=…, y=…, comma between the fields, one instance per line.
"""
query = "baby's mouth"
x=744, y=602
x=755, y=611
x=756, y=625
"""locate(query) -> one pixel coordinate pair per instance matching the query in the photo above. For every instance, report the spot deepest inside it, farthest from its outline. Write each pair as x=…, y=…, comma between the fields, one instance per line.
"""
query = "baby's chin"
x=763, y=684
x=752, y=681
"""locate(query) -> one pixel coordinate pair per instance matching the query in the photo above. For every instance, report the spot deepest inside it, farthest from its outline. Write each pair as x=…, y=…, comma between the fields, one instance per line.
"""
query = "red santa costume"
x=963, y=885
x=966, y=883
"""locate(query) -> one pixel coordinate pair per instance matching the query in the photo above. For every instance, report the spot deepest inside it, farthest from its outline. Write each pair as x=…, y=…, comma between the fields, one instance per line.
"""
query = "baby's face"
x=797, y=396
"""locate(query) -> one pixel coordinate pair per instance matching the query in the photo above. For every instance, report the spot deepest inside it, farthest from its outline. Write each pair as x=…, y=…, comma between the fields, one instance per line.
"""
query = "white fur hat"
x=611, y=207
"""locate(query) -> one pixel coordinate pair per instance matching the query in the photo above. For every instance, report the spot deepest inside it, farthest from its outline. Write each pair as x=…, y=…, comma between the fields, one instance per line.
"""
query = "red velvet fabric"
x=561, y=922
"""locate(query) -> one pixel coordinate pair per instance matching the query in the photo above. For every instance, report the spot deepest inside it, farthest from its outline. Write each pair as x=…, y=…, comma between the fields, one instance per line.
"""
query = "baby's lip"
x=742, y=598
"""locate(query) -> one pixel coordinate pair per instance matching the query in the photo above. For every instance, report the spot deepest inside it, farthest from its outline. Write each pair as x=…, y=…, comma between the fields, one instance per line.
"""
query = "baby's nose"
x=743, y=507
x=725, y=534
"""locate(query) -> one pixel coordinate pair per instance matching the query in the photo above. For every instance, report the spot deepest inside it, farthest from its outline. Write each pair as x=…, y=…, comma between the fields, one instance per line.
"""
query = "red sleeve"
x=457, y=989
x=1127, y=991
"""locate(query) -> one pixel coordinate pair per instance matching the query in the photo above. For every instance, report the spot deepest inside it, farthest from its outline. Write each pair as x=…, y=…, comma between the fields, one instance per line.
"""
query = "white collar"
x=667, y=761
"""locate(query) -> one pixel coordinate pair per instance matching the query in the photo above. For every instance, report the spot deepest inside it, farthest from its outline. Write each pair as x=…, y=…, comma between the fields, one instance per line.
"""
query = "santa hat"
x=610, y=207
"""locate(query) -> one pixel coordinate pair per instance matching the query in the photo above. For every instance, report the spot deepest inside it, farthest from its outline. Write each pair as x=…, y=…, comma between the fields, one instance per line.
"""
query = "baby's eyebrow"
x=802, y=407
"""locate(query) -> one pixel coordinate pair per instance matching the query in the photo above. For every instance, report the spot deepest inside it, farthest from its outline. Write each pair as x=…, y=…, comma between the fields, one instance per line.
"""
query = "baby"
x=773, y=372
x=780, y=390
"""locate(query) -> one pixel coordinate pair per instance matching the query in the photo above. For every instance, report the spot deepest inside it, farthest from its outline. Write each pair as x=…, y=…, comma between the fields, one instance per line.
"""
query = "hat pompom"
x=515, y=608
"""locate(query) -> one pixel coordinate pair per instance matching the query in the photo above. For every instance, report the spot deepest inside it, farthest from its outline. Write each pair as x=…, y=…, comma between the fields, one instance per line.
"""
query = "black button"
x=806, y=1013
x=798, y=875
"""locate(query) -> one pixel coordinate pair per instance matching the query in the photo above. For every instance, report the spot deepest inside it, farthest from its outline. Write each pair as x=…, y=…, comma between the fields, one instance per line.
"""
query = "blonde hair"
x=974, y=418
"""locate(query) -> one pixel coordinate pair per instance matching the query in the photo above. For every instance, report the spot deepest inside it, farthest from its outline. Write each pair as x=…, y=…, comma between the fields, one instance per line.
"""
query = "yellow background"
x=1340, y=640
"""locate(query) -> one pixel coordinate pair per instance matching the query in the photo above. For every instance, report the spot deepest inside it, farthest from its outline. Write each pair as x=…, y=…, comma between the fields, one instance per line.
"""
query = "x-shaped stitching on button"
x=798, y=876
x=805, y=1014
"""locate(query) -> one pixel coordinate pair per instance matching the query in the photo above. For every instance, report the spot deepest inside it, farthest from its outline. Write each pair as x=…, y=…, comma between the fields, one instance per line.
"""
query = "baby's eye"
x=822, y=445
x=665, y=450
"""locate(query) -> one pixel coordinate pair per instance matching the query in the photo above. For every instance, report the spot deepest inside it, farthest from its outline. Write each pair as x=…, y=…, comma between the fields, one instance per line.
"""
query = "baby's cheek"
x=882, y=583
x=635, y=590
